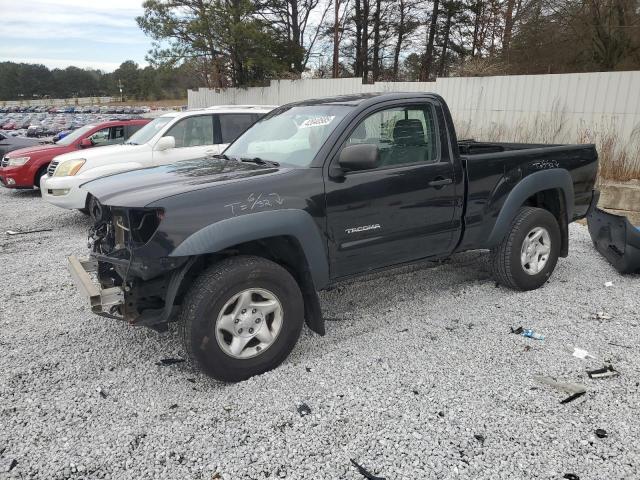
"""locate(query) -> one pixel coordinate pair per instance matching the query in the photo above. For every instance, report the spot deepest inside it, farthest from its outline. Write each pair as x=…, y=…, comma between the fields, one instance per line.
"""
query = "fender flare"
x=255, y=226
x=551, y=179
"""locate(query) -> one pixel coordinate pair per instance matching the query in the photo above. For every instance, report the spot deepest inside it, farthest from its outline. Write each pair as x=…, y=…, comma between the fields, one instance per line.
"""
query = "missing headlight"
x=144, y=223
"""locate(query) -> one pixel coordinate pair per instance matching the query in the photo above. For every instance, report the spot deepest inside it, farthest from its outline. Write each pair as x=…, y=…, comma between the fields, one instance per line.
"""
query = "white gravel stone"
x=442, y=331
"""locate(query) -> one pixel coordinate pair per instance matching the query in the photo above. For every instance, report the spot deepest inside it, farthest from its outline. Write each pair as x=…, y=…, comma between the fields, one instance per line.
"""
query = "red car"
x=23, y=168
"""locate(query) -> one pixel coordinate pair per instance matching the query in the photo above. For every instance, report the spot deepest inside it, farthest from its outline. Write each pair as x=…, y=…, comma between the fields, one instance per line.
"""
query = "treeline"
x=26, y=81
x=238, y=43
x=248, y=42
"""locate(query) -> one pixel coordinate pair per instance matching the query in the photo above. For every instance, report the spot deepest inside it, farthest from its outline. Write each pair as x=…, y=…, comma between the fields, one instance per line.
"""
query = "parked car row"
x=234, y=242
x=44, y=124
x=25, y=167
x=169, y=138
x=126, y=109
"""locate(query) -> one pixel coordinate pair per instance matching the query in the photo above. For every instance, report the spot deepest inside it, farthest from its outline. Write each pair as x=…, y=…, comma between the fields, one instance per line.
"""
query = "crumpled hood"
x=139, y=188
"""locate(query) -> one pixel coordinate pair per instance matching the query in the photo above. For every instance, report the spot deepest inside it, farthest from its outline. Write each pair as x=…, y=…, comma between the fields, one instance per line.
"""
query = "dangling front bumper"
x=616, y=238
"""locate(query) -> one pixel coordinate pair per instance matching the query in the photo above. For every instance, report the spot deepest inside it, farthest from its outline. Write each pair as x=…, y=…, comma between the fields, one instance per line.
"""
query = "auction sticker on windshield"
x=317, y=121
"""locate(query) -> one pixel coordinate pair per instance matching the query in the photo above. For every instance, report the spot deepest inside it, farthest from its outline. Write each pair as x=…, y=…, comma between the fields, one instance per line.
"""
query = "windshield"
x=147, y=132
x=75, y=135
x=292, y=136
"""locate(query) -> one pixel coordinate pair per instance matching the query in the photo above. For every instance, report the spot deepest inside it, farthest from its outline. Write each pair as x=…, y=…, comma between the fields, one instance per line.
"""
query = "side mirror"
x=165, y=143
x=359, y=157
x=86, y=143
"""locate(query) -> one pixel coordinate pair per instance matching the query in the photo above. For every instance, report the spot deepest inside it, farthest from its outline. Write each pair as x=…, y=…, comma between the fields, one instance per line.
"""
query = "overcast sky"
x=85, y=33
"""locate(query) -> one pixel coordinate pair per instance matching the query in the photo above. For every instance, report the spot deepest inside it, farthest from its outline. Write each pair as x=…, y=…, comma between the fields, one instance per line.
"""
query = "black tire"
x=39, y=175
x=505, y=258
x=209, y=294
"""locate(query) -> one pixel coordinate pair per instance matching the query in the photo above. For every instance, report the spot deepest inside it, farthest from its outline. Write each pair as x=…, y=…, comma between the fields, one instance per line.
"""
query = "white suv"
x=167, y=139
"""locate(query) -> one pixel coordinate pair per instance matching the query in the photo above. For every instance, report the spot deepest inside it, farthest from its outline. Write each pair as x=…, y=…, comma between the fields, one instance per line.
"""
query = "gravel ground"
x=418, y=377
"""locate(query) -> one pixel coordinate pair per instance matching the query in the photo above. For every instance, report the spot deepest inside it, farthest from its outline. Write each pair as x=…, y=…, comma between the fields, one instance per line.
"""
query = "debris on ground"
x=575, y=390
x=7, y=464
x=581, y=353
x=573, y=397
x=25, y=232
x=571, y=476
x=527, y=332
x=170, y=361
x=601, y=316
x=304, y=410
x=173, y=406
x=364, y=472
x=308, y=369
x=604, y=372
x=102, y=393
x=608, y=284
x=600, y=433
x=480, y=438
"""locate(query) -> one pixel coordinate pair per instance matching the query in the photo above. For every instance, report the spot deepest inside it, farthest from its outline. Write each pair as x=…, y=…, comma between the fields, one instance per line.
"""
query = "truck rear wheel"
x=527, y=256
x=241, y=317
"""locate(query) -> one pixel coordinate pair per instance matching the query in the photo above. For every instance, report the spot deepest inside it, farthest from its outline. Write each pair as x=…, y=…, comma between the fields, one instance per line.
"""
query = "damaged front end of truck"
x=129, y=275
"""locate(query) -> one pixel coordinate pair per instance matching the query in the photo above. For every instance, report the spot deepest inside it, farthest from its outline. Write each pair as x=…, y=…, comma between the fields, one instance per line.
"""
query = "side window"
x=403, y=134
x=131, y=129
x=101, y=137
x=233, y=124
x=117, y=134
x=192, y=131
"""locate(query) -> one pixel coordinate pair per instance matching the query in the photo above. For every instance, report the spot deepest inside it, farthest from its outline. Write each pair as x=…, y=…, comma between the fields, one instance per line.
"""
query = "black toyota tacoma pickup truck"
x=236, y=247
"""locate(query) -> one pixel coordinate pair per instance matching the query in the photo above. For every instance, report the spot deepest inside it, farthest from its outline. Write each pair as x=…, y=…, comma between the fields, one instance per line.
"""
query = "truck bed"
x=493, y=168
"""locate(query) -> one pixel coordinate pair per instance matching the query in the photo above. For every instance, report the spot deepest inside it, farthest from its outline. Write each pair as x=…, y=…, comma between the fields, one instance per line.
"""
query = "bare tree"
x=427, y=60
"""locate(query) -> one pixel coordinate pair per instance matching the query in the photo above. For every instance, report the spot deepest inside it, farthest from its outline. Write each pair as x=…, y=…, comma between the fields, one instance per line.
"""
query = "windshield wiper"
x=260, y=161
x=221, y=156
x=131, y=143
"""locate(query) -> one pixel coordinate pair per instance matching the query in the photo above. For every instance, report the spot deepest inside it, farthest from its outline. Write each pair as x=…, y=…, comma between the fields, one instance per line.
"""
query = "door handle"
x=440, y=182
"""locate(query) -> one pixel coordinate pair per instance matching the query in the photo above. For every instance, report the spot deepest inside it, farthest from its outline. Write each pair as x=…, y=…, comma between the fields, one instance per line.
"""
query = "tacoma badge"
x=364, y=228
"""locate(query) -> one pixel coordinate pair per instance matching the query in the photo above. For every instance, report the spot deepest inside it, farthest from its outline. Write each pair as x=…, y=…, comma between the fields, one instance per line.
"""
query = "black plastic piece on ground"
x=571, y=476
x=304, y=410
x=365, y=473
x=600, y=433
x=573, y=397
x=606, y=371
x=517, y=331
x=616, y=239
x=170, y=361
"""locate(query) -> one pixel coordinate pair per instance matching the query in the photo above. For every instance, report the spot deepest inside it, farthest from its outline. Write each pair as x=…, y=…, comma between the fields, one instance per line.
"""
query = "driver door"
x=404, y=209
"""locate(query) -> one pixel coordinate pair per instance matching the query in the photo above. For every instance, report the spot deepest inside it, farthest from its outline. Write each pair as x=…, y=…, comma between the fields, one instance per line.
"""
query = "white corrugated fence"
x=546, y=108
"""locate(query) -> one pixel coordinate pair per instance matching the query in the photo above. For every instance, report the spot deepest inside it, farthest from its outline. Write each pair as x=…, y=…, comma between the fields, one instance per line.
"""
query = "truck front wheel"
x=527, y=256
x=241, y=317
